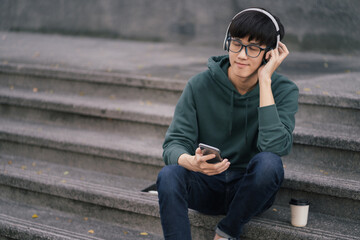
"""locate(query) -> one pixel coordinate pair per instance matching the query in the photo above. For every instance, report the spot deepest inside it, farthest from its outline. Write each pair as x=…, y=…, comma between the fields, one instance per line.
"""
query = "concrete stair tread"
x=340, y=129
x=106, y=190
x=33, y=167
x=86, y=141
x=324, y=172
x=55, y=224
x=308, y=178
x=147, y=149
x=322, y=90
x=158, y=59
x=110, y=108
x=324, y=134
x=331, y=182
x=331, y=90
x=130, y=198
x=16, y=221
x=320, y=226
x=92, y=75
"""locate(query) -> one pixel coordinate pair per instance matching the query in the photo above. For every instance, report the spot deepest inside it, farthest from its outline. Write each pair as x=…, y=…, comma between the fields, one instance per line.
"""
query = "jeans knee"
x=169, y=177
x=269, y=168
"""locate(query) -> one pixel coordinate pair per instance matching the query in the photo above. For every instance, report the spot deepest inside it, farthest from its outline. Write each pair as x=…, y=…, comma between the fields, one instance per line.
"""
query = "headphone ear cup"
x=227, y=44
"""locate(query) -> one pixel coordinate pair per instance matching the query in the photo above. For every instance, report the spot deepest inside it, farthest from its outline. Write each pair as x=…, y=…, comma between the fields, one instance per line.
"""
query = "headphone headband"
x=257, y=10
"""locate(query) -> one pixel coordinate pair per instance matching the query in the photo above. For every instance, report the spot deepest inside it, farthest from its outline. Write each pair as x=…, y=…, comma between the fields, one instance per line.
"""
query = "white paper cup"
x=299, y=212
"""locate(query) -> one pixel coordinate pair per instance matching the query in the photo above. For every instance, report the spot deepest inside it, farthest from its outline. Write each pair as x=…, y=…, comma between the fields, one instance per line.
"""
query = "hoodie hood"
x=218, y=66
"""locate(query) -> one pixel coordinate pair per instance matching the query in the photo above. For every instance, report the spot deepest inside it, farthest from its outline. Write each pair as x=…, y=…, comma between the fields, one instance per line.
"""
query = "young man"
x=241, y=106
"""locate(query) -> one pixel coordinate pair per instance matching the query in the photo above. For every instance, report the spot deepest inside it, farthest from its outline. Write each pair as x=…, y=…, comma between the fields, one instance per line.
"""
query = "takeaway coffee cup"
x=299, y=212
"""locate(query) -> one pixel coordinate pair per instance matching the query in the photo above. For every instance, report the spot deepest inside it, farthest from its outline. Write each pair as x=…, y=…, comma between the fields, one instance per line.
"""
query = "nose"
x=242, y=53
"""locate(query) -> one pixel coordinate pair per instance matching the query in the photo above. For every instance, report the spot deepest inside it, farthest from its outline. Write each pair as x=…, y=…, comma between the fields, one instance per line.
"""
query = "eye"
x=236, y=43
x=253, y=48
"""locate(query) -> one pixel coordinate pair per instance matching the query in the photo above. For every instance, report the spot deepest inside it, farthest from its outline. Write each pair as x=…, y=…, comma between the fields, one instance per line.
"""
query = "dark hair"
x=257, y=26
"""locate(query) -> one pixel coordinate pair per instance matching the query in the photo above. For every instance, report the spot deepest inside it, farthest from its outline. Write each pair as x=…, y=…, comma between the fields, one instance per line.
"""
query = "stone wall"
x=313, y=25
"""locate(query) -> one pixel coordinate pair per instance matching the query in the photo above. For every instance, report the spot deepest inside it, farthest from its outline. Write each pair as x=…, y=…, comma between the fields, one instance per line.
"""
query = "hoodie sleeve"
x=181, y=136
x=277, y=122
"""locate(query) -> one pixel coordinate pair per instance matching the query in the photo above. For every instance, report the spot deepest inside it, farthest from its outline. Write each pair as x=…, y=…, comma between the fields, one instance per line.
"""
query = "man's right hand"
x=197, y=163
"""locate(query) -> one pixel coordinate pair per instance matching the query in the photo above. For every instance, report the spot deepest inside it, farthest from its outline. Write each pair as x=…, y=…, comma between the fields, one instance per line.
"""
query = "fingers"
x=283, y=50
x=203, y=158
x=213, y=169
x=277, y=56
x=267, y=56
x=208, y=168
x=283, y=47
x=224, y=165
x=198, y=151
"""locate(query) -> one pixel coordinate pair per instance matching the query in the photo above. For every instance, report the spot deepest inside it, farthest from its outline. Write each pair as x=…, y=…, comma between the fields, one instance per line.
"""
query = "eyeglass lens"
x=251, y=50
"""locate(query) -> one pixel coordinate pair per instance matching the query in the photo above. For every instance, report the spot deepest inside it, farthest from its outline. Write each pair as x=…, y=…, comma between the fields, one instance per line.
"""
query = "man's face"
x=242, y=65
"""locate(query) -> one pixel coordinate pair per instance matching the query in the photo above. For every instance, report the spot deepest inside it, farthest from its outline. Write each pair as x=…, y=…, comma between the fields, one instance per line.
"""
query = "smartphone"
x=206, y=150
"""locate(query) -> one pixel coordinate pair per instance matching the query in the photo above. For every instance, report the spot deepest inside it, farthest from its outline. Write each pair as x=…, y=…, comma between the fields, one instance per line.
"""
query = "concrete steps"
x=69, y=203
x=33, y=186
x=79, y=142
x=141, y=158
x=59, y=225
x=91, y=83
x=314, y=144
x=111, y=153
x=151, y=118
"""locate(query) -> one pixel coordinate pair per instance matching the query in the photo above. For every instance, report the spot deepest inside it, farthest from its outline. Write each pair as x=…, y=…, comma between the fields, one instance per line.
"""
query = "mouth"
x=241, y=65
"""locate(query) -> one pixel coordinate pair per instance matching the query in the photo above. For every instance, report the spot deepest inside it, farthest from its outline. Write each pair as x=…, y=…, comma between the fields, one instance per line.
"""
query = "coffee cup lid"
x=299, y=202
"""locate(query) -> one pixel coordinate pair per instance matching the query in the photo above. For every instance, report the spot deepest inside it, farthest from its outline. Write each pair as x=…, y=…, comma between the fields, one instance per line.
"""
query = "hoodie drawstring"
x=231, y=111
x=246, y=120
x=231, y=116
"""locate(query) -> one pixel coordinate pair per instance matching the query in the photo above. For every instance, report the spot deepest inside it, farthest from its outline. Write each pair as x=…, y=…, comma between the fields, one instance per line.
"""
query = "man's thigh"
x=205, y=194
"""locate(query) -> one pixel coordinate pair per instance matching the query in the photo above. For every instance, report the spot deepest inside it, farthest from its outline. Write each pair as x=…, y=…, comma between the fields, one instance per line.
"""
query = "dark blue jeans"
x=238, y=195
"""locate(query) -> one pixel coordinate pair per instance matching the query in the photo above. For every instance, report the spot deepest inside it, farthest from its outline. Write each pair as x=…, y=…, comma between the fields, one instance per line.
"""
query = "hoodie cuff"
x=174, y=156
x=268, y=116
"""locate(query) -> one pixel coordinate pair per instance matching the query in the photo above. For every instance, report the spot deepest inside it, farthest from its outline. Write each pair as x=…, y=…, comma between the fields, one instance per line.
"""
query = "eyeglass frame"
x=246, y=46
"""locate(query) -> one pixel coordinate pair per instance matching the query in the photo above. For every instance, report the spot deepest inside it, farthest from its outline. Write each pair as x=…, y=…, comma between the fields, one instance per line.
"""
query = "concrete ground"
x=318, y=74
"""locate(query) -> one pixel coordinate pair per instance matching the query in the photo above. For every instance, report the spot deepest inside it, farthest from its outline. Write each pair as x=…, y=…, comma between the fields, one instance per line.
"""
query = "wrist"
x=266, y=95
x=185, y=160
x=265, y=82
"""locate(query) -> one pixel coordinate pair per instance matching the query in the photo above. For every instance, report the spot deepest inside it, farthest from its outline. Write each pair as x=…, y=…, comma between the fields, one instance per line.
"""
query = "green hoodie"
x=211, y=111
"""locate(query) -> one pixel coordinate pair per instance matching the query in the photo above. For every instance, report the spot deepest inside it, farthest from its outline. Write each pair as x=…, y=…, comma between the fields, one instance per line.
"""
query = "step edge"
x=298, y=138
x=40, y=230
x=143, y=81
x=123, y=200
x=154, y=204
x=84, y=109
x=120, y=154
x=351, y=143
x=330, y=186
x=92, y=76
x=303, y=232
x=93, y=189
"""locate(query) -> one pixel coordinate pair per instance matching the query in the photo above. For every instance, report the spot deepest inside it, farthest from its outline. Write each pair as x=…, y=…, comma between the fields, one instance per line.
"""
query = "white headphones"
x=227, y=35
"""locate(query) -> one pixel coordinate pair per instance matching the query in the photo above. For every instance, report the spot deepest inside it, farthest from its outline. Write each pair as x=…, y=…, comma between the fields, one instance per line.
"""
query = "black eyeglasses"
x=252, y=50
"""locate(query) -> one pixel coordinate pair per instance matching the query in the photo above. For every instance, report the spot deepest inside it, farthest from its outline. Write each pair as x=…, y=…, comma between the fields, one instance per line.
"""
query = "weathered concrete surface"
x=56, y=96
x=322, y=25
x=80, y=193
x=165, y=60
